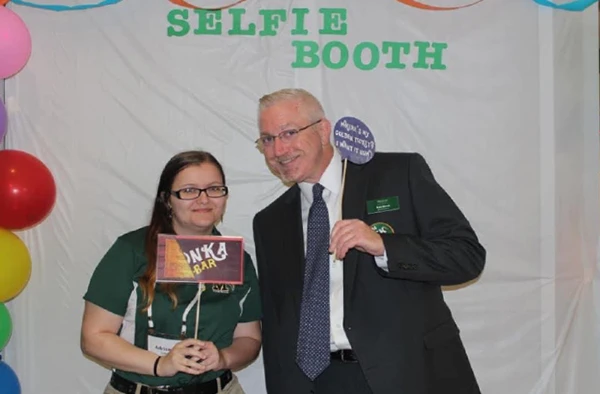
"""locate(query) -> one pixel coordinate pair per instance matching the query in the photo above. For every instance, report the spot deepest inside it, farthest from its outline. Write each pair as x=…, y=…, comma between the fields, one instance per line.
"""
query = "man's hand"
x=354, y=233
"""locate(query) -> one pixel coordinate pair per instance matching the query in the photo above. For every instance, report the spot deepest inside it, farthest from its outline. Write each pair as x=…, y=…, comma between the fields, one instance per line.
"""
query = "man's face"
x=301, y=158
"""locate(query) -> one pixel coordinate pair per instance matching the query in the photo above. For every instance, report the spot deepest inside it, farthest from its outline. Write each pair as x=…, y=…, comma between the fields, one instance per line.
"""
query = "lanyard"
x=195, y=300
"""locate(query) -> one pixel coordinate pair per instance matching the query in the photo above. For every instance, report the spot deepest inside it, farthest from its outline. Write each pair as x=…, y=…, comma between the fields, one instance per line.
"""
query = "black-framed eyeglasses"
x=192, y=193
x=267, y=140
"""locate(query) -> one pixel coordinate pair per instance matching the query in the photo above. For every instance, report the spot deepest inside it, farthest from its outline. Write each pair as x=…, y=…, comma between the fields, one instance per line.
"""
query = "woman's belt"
x=211, y=387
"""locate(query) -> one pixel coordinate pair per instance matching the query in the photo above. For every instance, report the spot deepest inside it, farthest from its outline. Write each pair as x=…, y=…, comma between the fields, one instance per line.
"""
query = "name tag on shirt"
x=383, y=205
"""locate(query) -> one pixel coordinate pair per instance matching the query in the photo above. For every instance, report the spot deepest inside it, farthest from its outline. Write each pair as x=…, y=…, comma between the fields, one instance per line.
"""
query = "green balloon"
x=5, y=326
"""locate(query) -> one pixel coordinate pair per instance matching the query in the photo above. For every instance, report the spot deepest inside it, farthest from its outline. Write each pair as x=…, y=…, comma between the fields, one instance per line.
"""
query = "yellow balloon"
x=15, y=265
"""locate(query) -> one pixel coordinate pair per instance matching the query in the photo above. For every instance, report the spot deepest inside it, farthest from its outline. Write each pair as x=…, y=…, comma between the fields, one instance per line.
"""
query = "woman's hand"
x=184, y=357
x=211, y=358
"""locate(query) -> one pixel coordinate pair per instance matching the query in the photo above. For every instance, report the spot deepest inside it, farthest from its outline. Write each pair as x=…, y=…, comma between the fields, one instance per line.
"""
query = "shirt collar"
x=331, y=179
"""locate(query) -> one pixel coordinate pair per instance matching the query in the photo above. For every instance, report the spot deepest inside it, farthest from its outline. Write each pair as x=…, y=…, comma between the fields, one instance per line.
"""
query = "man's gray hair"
x=309, y=102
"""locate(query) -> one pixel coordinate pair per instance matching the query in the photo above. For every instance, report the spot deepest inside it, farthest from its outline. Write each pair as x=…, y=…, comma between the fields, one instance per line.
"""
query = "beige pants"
x=232, y=387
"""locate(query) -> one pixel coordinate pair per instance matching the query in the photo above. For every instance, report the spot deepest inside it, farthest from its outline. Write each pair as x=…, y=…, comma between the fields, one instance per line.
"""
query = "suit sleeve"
x=446, y=251
x=269, y=328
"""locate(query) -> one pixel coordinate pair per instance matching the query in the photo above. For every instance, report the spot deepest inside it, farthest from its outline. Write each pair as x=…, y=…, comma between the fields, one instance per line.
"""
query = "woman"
x=126, y=314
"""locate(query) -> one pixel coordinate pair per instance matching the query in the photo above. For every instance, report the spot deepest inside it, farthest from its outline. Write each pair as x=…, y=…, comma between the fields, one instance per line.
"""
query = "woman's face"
x=197, y=216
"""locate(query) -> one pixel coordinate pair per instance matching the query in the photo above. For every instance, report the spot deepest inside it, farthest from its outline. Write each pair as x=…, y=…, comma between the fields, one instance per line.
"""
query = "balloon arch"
x=27, y=192
x=27, y=187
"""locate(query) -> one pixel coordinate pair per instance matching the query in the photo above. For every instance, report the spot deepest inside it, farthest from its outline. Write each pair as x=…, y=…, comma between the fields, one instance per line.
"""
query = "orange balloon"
x=4, y=2
x=423, y=6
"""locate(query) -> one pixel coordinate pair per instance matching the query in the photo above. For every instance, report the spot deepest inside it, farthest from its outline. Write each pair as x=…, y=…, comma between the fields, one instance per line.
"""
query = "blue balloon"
x=60, y=7
x=576, y=5
x=9, y=383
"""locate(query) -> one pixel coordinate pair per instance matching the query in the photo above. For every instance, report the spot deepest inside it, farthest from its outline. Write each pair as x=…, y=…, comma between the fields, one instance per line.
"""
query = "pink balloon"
x=15, y=43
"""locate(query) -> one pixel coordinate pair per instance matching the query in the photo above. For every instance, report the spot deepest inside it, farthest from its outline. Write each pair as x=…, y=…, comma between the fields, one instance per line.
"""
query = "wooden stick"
x=342, y=195
x=342, y=189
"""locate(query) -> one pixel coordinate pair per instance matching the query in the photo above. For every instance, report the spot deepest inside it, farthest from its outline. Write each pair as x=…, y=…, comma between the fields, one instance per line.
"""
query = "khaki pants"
x=232, y=387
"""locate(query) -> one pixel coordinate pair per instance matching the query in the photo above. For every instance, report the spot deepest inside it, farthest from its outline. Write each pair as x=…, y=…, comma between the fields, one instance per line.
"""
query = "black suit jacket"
x=397, y=322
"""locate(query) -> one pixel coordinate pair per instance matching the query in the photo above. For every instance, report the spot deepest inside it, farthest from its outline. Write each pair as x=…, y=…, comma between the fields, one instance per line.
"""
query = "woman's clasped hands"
x=191, y=356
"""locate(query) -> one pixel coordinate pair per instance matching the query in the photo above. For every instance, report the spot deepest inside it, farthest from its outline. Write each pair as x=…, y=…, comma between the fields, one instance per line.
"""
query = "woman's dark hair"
x=161, y=220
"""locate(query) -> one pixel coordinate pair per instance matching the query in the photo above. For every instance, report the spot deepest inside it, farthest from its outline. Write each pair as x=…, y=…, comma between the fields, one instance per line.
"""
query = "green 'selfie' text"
x=333, y=54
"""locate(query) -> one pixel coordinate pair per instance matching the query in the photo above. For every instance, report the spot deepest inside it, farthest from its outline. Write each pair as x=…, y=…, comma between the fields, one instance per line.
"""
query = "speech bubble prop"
x=354, y=140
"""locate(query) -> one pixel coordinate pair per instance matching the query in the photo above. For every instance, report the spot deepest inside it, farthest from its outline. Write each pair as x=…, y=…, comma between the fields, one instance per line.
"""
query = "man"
x=386, y=327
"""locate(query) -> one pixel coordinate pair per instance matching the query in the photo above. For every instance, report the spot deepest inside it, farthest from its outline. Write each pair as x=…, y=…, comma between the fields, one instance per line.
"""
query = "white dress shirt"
x=331, y=180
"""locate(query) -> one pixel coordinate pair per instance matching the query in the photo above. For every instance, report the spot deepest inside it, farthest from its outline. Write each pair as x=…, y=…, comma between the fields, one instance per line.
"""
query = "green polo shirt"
x=114, y=287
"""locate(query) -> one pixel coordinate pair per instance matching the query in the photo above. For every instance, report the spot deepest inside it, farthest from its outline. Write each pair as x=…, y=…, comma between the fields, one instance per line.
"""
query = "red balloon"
x=27, y=190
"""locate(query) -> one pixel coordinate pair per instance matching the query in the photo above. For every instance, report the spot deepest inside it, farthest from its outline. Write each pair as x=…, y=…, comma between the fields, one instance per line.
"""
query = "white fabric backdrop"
x=510, y=129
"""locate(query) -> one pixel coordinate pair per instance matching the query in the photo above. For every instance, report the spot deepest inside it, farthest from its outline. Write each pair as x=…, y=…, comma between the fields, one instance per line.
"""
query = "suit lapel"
x=293, y=247
x=353, y=207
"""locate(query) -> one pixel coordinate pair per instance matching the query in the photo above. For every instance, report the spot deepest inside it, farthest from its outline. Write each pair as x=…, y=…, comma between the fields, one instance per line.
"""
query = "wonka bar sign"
x=200, y=259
